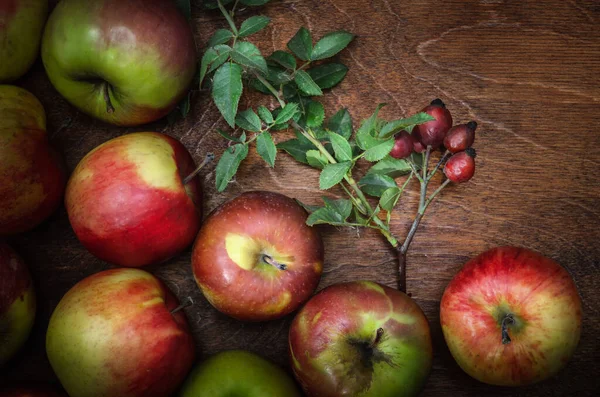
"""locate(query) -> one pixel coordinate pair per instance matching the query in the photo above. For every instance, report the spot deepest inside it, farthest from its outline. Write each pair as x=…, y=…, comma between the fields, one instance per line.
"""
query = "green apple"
x=127, y=62
x=21, y=25
x=17, y=303
x=238, y=373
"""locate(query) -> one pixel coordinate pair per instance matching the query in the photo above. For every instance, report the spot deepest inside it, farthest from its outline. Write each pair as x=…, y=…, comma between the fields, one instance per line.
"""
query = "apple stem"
x=209, y=157
x=270, y=261
x=506, y=322
x=378, y=337
x=189, y=302
x=109, y=106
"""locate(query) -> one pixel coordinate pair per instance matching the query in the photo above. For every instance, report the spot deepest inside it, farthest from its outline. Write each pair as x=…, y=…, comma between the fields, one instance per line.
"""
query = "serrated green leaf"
x=389, y=198
x=328, y=75
x=375, y=184
x=253, y=25
x=402, y=124
x=265, y=115
x=309, y=208
x=379, y=151
x=315, y=114
x=228, y=164
x=225, y=135
x=277, y=75
x=284, y=59
x=227, y=90
x=341, y=147
x=341, y=206
x=297, y=149
x=341, y=123
x=221, y=36
x=266, y=148
x=247, y=54
x=326, y=216
x=185, y=8
x=316, y=159
x=331, y=44
x=286, y=113
x=301, y=44
x=306, y=84
x=417, y=159
x=248, y=120
x=364, y=135
x=212, y=59
x=391, y=167
x=333, y=174
x=209, y=56
x=254, y=3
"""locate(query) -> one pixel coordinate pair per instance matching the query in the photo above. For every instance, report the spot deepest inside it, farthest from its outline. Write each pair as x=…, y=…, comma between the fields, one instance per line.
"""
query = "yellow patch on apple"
x=246, y=251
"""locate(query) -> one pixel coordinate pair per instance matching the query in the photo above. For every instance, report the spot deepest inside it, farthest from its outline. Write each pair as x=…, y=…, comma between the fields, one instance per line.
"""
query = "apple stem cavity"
x=507, y=321
x=106, y=91
x=270, y=261
x=182, y=306
x=209, y=157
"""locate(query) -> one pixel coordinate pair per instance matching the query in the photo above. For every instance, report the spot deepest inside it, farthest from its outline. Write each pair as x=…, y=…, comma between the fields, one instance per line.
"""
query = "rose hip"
x=460, y=137
x=433, y=132
x=403, y=146
x=417, y=145
x=461, y=166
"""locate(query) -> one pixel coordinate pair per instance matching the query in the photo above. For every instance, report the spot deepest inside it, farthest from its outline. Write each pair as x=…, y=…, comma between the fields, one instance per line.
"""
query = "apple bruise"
x=508, y=303
x=126, y=204
x=255, y=258
x=14, y=277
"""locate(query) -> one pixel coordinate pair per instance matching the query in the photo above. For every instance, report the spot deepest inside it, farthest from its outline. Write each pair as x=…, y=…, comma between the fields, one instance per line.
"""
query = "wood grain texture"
x=528, y=72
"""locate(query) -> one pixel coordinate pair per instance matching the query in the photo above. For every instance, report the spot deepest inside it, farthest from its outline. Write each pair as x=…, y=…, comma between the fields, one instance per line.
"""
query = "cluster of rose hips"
x=457, y=140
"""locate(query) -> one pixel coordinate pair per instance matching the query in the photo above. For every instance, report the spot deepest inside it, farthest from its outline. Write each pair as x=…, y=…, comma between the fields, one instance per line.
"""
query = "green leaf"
x=248, y=120
x=402, y=124
x=316, y=159
x=391, y=167
x=297, y=149
x=229, y=163
x=185, y=8
x=286, y=113
x=309, y=208
x=364, y=135
x=254, y=2
x=326, y=216
x=378, y=152
x=341, y=123
x=328, y=75
x=247, y=54
x=265, y=115
x=341, y=147
x=284, y=59
x=227, y=90
x=253, y=25
x=221, y=36
x=277, y=75
x=375, y=184
x=315, y=114
x=212, y=59
x=307, y=84
x=333, y=174
x=341, y=206
x=301, y=44
x=225, y=135
x=331, y=44
x=266, y=148
x=389, y=198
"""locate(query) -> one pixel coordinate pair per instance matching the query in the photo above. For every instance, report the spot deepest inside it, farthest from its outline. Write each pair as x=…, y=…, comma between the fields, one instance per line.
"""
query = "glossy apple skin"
x=238, y=373
x=21, y=25
x=31, y=391
x=17, y=303
x=127, y=202
x=113, y=334
x=544, y=301
x=324, y=336
x=262, y=292
x=32, y=175
x=143, y=49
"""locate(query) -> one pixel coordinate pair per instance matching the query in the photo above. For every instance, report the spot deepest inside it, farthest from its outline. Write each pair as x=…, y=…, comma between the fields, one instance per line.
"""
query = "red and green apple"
x=256, y=259
x=511, y=317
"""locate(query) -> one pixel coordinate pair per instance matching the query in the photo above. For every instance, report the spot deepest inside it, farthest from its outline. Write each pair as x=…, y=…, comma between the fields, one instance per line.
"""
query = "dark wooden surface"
x=528, y=72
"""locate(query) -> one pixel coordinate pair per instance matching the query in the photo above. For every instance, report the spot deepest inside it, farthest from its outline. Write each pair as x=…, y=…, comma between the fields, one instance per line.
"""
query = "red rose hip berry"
x=433, y=132
x=461, y=167
x=403, y=146
x=460, y=137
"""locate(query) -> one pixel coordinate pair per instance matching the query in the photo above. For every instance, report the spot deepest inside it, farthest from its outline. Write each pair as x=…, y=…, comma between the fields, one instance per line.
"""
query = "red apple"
x=32, y=176
x=256, y=259
x=360, y=339
x=511, y=317
x=128, y=204
x=119, y=333
x=17, y=303
x=31, y=391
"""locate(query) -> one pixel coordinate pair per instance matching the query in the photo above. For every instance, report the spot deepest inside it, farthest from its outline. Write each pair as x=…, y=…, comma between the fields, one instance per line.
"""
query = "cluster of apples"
x=510, y=317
